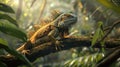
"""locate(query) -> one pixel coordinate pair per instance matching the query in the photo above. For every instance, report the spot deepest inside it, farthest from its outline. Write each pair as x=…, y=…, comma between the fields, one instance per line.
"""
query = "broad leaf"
x=19, y=56
x=6, y=8
x=2, y=64
x=110, y=4
x=12, y=30
x=7, y=17
x=14, y=52
x=3, y=43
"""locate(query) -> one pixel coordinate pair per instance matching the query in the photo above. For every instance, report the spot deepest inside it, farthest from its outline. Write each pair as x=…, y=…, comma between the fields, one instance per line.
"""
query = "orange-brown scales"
x=44, y=21
x=56, y=26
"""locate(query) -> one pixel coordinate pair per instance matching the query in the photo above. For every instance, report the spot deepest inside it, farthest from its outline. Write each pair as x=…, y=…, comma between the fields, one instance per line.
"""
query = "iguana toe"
x=58, y=45
x=25, y=52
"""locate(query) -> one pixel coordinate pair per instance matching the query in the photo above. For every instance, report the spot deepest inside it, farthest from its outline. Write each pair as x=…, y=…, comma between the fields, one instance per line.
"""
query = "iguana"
x=58, y=27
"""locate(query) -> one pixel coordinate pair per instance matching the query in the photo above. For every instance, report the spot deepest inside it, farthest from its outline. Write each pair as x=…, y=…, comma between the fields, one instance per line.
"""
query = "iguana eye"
x=64, y=17
x=69, y=16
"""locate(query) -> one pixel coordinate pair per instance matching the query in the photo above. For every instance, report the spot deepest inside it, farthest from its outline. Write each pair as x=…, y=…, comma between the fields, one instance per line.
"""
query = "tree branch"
x=110, y=58
x=67, y=43
x=110, y=29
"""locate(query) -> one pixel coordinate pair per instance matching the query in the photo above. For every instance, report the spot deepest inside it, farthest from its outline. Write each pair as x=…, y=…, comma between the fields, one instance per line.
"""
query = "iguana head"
x=67, y=20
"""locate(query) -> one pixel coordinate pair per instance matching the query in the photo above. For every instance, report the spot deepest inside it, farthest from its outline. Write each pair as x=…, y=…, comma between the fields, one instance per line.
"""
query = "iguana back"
x=58, y=26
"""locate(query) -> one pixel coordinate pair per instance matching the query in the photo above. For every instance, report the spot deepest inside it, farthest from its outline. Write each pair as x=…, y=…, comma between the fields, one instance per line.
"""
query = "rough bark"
x=67, y=43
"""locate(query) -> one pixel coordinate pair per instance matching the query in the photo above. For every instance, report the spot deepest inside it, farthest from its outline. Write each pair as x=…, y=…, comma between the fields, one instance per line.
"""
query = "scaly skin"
x=59, y=27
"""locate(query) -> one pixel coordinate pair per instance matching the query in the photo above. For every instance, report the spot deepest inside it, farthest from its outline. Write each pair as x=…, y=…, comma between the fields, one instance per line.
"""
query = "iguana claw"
x=56, y=42
x=58, y=45
x=25, y=52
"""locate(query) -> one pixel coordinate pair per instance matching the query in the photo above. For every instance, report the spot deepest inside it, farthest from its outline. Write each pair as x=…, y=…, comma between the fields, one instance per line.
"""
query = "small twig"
x=110, y=29
x=41, y=10
x=32, y=3
x=107, y=28
x=19, y=10
x=110, y=58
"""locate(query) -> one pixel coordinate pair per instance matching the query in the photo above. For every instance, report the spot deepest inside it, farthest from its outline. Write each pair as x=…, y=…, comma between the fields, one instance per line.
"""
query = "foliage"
x=2, y=64
x=110, y=4
x=86, y=61
x=9, y=28
x=7, y=17
x=12, y=30
x=4, y=45
x=6, y=8
x=30, y=14
x=98, y=34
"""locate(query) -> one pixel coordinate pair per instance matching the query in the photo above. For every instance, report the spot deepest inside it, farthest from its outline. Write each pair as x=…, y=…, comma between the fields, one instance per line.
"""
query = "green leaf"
x=72, y=63
x=95, y=37
x=7, y=17
x=19, y=56
x=66, y=64
x=16, y=54
x=98, y=34
x=101, y=35
x=12, y=30
x=84, y=61
x=99, y=56
x=3, y=43
x=110, y=4
x=2, y=64
x=100, y=24
x=6, y=8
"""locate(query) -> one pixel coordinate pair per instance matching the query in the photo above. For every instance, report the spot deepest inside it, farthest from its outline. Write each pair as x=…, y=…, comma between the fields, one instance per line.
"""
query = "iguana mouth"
x=74, y=19
x=70, y=17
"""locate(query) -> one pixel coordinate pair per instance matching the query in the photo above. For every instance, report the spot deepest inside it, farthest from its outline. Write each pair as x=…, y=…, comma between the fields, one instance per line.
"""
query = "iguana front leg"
x=25, y=48
x=52, y=35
